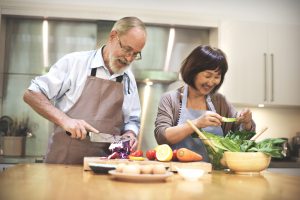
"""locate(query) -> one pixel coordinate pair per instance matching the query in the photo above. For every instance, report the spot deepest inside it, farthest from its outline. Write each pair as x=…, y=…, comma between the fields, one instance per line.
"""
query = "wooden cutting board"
x=207, y=167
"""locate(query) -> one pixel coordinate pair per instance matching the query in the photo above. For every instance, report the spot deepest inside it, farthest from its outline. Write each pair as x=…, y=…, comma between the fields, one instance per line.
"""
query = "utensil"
x=259, y=133
x=201, y=135
x=5, y=125
x=247, y=162
x=106, y=138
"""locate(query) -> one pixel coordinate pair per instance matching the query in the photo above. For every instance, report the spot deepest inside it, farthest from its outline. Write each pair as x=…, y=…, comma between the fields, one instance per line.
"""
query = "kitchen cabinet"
x=263, y=63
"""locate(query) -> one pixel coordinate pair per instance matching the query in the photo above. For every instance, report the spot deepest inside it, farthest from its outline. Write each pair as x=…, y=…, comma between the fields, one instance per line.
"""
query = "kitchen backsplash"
x=281, y=122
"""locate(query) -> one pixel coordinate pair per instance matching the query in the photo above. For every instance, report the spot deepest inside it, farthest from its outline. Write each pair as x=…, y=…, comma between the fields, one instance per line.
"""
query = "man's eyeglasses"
x=129, y=52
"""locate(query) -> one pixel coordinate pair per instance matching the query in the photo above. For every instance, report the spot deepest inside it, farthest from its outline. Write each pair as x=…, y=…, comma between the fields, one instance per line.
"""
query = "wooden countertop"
x=48, y=181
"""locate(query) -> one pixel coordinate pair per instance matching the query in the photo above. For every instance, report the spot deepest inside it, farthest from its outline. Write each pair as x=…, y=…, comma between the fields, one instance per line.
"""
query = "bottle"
x=296, y=145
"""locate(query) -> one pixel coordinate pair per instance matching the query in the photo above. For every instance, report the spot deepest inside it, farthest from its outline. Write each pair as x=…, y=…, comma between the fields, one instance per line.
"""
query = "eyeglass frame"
x=135, y=55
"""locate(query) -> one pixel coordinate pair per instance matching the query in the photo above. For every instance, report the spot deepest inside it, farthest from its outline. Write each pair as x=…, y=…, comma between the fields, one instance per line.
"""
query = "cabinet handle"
x=265, y=74
x=272, y=77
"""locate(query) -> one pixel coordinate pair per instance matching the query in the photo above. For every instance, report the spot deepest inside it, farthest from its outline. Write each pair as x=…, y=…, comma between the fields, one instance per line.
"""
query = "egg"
x=159, y=169
x=132, y=169
x=146, y=169
x=120, y=167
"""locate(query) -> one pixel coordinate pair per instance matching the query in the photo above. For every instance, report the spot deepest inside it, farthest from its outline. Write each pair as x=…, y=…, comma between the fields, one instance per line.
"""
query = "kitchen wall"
x=28, y=55
x=282, y=121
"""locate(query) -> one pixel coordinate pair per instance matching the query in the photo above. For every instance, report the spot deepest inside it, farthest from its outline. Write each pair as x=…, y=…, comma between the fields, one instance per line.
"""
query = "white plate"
x=139, y=177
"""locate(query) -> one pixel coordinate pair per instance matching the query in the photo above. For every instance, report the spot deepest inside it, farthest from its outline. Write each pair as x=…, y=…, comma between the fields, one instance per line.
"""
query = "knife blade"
x=107, y=138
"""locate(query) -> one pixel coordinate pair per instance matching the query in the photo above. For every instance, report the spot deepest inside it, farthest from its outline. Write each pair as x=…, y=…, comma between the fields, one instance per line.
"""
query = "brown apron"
x=100, y=105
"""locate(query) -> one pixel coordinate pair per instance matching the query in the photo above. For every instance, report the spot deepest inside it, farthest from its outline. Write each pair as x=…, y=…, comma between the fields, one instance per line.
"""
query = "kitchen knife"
x=105, y=137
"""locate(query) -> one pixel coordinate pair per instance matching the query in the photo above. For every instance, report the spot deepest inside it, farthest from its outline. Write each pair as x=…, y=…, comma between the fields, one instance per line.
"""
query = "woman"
x=203, y=72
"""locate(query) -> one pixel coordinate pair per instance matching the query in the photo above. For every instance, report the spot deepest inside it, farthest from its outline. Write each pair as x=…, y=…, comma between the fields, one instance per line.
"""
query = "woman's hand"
x=245, y=118
x=208, y=119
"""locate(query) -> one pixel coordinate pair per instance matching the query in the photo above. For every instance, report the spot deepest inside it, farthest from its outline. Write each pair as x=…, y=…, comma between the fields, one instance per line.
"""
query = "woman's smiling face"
x=207, y=80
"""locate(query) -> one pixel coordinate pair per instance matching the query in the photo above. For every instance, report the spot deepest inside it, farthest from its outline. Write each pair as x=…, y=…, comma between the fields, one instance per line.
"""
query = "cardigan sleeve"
x=167, y=115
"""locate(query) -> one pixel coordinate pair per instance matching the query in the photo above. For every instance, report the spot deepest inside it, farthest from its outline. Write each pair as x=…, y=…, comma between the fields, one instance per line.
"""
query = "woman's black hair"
x=203, y=58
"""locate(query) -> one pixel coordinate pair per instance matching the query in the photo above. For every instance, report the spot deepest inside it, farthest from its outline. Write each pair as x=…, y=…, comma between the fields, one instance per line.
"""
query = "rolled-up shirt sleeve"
x=131, y=106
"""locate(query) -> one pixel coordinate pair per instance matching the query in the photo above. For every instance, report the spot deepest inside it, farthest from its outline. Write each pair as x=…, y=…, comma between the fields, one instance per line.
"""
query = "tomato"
x=151, y=154
x=174, y=158
x=137, y=153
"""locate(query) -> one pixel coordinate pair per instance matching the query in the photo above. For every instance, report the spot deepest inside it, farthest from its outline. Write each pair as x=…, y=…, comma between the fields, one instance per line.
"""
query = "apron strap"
x=210, y=103
x=93, y=72
x=119, y=79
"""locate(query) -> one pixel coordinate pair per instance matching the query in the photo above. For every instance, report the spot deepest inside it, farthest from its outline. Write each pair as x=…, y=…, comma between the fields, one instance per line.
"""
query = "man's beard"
x=114, y=68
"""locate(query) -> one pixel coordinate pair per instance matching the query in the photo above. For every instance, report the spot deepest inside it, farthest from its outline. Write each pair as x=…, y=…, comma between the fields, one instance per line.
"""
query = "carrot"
x=186, y=155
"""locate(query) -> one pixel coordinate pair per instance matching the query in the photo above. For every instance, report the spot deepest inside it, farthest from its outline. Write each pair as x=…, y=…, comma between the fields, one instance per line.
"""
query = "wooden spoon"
x=259, y=133
x=201, y=135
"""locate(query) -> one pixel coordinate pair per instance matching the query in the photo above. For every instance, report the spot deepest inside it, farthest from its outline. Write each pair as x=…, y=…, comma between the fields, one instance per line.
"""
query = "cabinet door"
x=245, y=44
x=284, y=51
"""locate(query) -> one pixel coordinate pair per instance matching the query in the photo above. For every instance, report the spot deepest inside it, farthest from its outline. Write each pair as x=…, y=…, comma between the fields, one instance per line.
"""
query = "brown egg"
x=132, y=169
x=159, y=169
x=146, y=169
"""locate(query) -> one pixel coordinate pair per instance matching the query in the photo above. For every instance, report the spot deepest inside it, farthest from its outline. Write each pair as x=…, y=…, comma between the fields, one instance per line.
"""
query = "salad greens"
x=239, y=141
x=225, y=119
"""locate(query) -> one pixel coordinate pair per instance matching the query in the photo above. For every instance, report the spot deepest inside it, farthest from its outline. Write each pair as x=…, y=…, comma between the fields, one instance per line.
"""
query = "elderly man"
x=92, y=91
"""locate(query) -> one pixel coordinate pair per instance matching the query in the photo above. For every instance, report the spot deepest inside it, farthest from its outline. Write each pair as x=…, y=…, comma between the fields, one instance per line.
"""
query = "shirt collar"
x=98, y=59
x=99, y=62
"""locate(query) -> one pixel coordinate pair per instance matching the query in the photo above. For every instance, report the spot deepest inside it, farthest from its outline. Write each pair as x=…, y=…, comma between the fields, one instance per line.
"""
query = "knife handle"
x=69, y=134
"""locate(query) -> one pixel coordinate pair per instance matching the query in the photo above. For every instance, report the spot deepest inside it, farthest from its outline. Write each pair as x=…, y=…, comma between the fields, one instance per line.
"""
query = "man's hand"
x=78, y=128
x=41, y=104
x=133, y=140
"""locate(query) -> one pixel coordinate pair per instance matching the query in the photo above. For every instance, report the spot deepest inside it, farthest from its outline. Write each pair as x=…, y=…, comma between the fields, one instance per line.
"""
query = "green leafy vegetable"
x=240, y=135
x=270, y=146
x=239, y=141
x=231, y=145
x=225, y=119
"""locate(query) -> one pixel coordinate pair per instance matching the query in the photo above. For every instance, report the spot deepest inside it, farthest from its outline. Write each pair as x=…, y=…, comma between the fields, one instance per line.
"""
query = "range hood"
x=155, y=76
x=165, y=49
